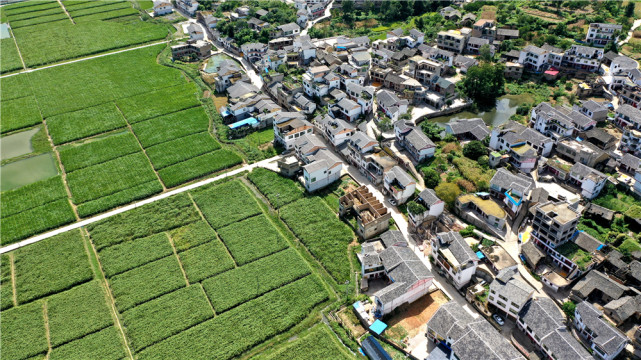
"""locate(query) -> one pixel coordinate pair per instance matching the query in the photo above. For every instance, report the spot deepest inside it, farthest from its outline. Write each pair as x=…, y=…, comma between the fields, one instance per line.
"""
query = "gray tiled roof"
x=393, y=238
x=401, y=176
x=587, y=242
x=476, y=127
x=418, y=139
x=532, y=254
x=631, y=161
x=508, y=181
x=596, y=280
x=404, y=267
x=241, y=88
x=512, y=288
x=429, y=197
x=606, y=336
x=625, y=306
x=458, y=247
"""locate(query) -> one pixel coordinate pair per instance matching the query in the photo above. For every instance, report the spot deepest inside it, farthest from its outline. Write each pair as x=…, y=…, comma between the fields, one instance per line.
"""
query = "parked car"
x=498, y=319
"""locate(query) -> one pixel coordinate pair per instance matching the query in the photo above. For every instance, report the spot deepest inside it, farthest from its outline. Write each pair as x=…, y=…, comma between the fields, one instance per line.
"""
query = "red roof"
x=552, y=71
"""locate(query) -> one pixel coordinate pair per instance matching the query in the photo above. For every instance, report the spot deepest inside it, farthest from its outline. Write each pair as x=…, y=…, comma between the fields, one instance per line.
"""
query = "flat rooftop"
x=489, y=207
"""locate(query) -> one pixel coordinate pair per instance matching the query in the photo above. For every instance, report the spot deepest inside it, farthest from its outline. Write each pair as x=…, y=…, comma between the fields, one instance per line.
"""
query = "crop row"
x=199, y=166
x=114, y=14
x=98, y=151
x=95, y=10
x=252, y=239
x=32, y=195
x=23, y=332
x=122, y=197
x=320, y=343
x=19, y=113
x=243, y=327
x=244, y=283
x=74, y=5
x=326, y=237
x=83, y=123
x=191, y=235
x=181, y=149
x=226, y=203
x=131, y=254
x=36, y=220
x=44, y=20
x=14, y=87
x=29, y=6
x=6, y=289
x=163, y=215
x=34, y=14
x=206, y=260
x=104, y=345
x=171, y=126
x=165, y=316
x=279, y=190
x=159, y=102
x=10, y=57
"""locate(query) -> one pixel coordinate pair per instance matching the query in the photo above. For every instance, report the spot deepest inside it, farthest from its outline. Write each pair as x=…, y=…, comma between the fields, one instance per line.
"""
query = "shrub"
x=466, y=185
x=431, y=177
x=447, y=192
x=474, y=150
x=415, y=208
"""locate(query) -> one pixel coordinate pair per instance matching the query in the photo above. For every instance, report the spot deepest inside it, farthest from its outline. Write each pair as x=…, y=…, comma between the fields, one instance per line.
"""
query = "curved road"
x=134, y=205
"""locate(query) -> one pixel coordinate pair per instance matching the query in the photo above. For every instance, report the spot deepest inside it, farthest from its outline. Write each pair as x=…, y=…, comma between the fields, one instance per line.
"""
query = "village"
x=505, y=265
x=490, y=181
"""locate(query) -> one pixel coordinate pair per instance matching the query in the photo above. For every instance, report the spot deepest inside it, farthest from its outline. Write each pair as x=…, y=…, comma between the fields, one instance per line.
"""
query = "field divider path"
x=45, y=317
x=180, y=264
x=207, y=297
x=115, y=315
x=66, y=12
x=24, y=67
x=134, y=205
x=164, y=188
x=82, y=59
x=13, y=280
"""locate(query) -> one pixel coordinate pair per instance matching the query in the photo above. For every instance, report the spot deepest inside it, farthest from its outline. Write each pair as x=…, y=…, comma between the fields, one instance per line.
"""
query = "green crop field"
x=110, y=177
x=110, y=6
x=227, y=203
x=191, y=235
x=23, y=332
x=322, y=232
x=199, y=166
x=50, y=266
x=254, y=279
x=131, y=254
x=104, y=345
x=82, y=38
x=280, y=310
x=205, y=260
x=128, y=195
x=29, y=6
x=6, y=289
x=171, y=126
x=32, y=195
x=279, y=190
x=45, y=19
x=252, y=239
x=159, y=319
x=160, y=102
x=319, y=343
x=147, y=282
x=107, y=15
x=19, y=113
x=36, y=220
x=181, y=149
x=75, y=313
x=98, y=151
x=84, y=123
x=14, y=87
x=10, y=57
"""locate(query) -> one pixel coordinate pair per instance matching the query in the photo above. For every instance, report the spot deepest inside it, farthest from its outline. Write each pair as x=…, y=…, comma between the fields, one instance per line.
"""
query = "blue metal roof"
x=480, y=255
x=374, y=350
x=378, y=327
x=249, y=121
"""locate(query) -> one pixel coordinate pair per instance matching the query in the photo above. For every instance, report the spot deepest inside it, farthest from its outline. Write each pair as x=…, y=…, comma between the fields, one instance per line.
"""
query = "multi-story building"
x=581, y=152
x=485, y=28
x=508, y=293
x=414, y=141
x=288, y=127
x=162, y=7
x=600, y=34
x=452, y=254
x=337, y=131
x=590, y=181
x=512, y=134
x=399, y=185
x=583, y=58
x=629, y=119
x=187, y=6
x=489, y=213
x=534, y=58
x=511, y=190
x=542, y=321
x=431, y=203
x=606, y=340
x=321, y=167
x=593, y=110
x=560, y=121
x=372, y=217
x=391, y=105
x=554, y=224
x=513, y=70
x=452, y=40
x=362, y=95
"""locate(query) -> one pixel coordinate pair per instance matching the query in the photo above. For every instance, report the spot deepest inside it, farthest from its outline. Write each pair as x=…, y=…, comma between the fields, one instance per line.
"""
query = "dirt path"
x=180, y=263
x=13, y=280
x=45, y=317
x=18, y=49
x=66, y=12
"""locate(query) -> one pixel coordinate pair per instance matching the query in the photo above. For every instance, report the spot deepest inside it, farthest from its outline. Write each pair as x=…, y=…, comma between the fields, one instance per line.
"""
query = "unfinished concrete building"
x=371, y=215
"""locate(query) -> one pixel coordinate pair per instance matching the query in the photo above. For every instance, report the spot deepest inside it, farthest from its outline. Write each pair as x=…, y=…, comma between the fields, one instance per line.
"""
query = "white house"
x=559, y=122
x=195, y=32
x=337, y=131
x=606, y=340
x=399, y=184
x=188, y=6
x=433, y=207
x=347, y=109
x=512, y=134
x=511, y=190
x=391, y=105
x=414, y=141
x=533, y=58
x=362, y=95
x=162, y=7
x=321, y=167
x=508, y=293
x=409, y=278
x=589, y=180
x=289, y=126
x=600, y=34
x=452, y=254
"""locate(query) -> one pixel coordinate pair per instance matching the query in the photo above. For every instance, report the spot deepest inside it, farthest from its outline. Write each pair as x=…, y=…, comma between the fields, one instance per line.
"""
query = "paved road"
x=134, y=205
x=86, y=58
x=635, y=25
x=313, y=22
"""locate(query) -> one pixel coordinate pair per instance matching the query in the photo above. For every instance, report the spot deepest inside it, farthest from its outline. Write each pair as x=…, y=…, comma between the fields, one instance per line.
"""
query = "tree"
x=282, y=68
x=415, y=208
x=484, y=161
x=485, y=52
x=629, y=9
x=474, y=150
x=432, y=130
x=568, y=308
x=447, y=192
x=611, y=46
x=431, y=177
x=348, y=11
x=484, y=83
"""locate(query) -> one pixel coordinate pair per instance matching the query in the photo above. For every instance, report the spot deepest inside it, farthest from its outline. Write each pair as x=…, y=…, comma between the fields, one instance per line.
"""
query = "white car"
x=498, y=319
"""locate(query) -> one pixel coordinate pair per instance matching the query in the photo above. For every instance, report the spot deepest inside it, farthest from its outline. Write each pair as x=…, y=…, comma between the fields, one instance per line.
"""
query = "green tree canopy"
x=431, y=177
x=484, y=83
x=447, y=192
x=474, y=150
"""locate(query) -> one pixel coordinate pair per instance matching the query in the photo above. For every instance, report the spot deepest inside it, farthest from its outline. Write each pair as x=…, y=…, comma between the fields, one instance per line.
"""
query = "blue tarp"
x=225, y=113
x=517, y=203
x=357, y=305
x=378, y=327
x=374, y=350
x=600, y=247
x=480, y=255
x=250, y=121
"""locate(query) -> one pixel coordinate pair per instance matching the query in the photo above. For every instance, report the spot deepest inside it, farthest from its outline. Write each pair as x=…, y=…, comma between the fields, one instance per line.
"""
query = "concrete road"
x=313, y=22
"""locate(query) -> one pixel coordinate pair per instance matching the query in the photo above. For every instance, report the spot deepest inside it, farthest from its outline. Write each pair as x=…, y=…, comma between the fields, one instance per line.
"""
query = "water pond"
x=17, y=144
x=214, y=61
x=27, y=171
x=505, y=108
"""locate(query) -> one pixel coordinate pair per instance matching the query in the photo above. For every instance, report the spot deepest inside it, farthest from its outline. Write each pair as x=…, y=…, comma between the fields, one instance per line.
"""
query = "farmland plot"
x=159, y=102
x=36, y=220
x=181, y=149
x=226, y=203
x=10, y=57
x=104, y=345
x=6, y=290
x=84, y=123
x=171, y=126
x=45, y=19
x=131, y=254
x=280, y=309
x=110, y=6
x=326, y=237
x=19, y=113
x=29, y=6
x=252, y=239
x=107, y=15
x=83, y=38
x=50, y=266
x=199, y=166
x=320, y=343
x=77, y=312
x=23, y=332
x=205, y=260
x=191, y=235
x=32, y=195
x=159, y=216
x=279, y=190
x=98, y=151
x=160, y=318
x=147, y=282
x=14, y=87
x=244, y=283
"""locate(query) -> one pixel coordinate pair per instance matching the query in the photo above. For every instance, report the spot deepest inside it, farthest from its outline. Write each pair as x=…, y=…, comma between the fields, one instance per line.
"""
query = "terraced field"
x=166, y=280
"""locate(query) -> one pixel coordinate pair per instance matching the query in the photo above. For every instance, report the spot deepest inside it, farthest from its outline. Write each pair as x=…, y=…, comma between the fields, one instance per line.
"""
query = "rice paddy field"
x=168, y=280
